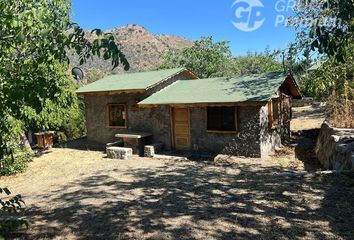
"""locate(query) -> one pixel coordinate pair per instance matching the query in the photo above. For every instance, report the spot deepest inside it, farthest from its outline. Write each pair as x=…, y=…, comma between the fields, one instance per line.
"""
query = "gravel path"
x=73, y=194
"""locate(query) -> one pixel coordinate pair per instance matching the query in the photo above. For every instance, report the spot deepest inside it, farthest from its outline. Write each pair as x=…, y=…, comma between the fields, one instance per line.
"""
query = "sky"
x=249, y=25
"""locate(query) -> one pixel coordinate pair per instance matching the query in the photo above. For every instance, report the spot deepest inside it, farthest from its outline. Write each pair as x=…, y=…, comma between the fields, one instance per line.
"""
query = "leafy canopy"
x=207, y=59
x=327, y=29
x=325, y=26
x=256, y=63
x=34, y=82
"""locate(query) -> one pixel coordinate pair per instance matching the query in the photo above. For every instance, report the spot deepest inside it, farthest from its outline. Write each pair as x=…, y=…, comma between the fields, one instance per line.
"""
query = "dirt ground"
x=80, y=194
x=307, y=117
x=73, y=194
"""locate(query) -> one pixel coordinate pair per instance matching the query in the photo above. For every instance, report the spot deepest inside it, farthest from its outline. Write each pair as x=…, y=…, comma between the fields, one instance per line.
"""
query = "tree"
x=205, y=58
x=324, y=26
x=34, y=38
x=256, y=63
x=93, y=75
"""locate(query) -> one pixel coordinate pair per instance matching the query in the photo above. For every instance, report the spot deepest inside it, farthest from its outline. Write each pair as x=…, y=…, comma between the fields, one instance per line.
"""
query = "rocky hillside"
x=143, y=49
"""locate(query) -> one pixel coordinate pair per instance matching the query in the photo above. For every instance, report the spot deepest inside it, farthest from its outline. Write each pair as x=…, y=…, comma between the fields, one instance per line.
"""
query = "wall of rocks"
x=335, y=148
x=246, y=142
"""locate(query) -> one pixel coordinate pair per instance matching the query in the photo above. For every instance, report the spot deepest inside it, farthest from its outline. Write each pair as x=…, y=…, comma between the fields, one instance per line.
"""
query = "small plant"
x=15, y=162
x=8, y=208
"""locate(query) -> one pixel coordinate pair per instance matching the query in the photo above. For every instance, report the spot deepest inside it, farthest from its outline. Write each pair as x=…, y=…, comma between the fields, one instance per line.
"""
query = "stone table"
x=135, y=140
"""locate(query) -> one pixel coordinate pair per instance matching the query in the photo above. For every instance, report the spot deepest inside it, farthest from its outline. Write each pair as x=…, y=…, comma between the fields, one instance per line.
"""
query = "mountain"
x=143, y=49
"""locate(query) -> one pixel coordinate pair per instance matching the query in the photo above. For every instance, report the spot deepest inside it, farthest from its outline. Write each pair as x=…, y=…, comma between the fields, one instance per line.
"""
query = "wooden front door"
x=181, y=128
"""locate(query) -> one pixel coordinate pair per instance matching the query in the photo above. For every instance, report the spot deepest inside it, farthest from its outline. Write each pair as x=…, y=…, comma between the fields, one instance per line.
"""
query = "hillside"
x=143, y=49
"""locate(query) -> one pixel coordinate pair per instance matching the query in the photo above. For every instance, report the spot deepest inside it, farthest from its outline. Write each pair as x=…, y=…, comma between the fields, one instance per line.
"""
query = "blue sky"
x=190, y=19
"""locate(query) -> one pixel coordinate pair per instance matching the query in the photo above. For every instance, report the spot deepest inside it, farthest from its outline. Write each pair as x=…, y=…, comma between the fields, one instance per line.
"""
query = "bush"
x=15, y=163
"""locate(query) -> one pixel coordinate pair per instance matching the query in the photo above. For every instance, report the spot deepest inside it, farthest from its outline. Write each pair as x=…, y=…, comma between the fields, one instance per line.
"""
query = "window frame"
x=220, y=131
x=272, y=123
x=109, y=122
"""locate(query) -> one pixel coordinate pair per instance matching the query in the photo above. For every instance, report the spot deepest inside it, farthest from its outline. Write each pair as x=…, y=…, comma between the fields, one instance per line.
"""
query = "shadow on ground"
x=305, y=148
x=199, y=201
x=81, y=144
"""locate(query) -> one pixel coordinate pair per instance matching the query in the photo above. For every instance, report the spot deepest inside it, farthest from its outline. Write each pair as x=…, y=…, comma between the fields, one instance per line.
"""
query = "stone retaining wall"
x=335, y=148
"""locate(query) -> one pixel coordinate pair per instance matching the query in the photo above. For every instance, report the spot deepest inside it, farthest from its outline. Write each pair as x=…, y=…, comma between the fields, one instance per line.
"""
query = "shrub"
x=15, y=163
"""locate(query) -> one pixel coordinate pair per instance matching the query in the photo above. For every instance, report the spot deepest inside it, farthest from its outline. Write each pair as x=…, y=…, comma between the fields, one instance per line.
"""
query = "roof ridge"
x=141, y=81
x=149, y=71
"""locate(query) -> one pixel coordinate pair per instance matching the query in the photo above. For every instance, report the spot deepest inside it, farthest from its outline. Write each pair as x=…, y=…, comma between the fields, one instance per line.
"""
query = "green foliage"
x=35, y=89
x=15, y=162
x=331, y=78
x=207, y=59
x=333, y=82
x=255, y=63
x=326, y=27
x=8, y=208
x=93, y=75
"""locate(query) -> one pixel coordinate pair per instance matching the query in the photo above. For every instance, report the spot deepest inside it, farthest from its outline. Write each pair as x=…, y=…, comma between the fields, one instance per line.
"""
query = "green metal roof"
x=129, y=81
x=218, y=90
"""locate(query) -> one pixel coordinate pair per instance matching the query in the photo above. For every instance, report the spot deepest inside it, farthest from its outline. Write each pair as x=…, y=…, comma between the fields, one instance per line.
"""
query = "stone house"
x=246, y=116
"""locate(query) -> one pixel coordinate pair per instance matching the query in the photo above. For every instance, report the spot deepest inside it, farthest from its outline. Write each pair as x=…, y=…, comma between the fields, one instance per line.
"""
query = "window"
x=221, y=119
x=274, y=112
x=117, y=115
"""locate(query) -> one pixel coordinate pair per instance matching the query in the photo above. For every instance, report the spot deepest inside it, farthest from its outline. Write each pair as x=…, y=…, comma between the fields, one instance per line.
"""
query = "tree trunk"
x=2, y=154
x=2, y=151
x=25, y=145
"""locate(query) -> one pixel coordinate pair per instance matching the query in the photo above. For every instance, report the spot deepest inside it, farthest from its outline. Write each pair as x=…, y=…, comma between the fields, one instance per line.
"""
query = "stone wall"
x=246, y=142
x=154, y=120
x=335, y=148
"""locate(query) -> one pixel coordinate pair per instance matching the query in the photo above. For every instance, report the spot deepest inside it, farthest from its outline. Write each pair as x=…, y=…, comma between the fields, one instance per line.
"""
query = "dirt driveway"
x=73, y=194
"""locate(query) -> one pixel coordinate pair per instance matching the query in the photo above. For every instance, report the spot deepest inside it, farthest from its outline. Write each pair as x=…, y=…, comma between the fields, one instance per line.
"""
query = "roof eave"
x=299, y=94
x=110, y=92
x=205, y=104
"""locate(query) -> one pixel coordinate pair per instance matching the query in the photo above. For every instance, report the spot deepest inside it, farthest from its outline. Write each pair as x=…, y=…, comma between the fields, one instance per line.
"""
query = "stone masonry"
x=335, y=147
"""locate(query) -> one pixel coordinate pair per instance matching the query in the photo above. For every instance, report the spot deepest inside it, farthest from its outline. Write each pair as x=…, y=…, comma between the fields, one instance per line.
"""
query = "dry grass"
x=343, y=117
x=74, y=194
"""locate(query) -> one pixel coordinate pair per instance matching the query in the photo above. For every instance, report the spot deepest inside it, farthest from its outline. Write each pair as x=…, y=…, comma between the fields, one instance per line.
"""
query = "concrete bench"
x=151, y=150
x=119, y=153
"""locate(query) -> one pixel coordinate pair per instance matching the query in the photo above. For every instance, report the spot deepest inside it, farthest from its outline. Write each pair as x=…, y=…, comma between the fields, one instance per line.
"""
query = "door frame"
x=173, y=142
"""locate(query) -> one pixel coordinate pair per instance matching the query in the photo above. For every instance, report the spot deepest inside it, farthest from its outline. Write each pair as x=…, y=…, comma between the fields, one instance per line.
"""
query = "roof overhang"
x=111, y=92
x=293, y=87
x=207, y=104
x=134, y=89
